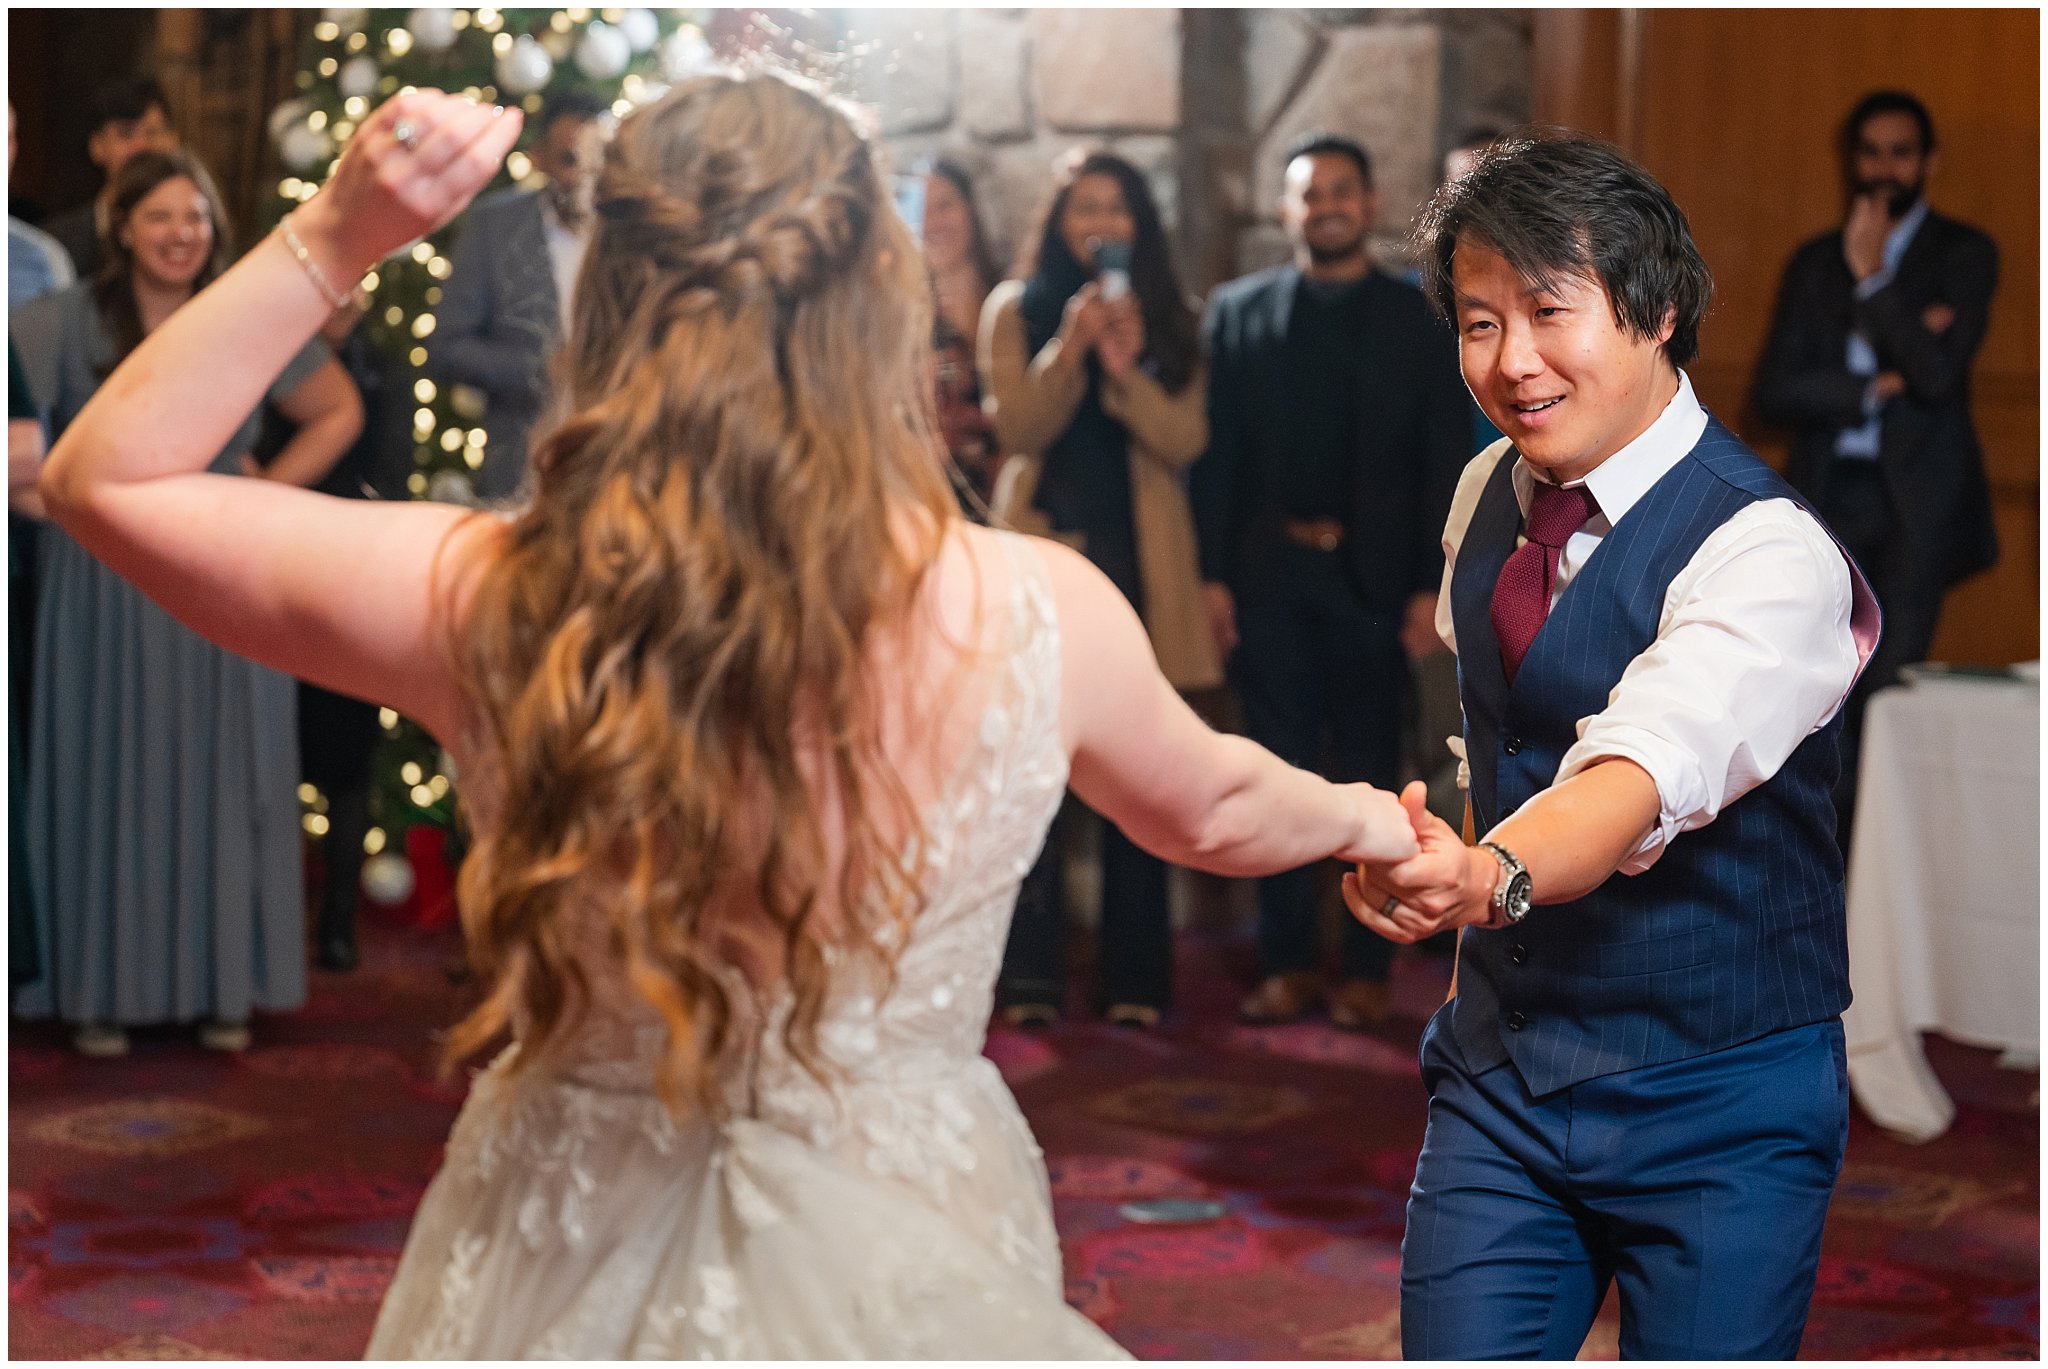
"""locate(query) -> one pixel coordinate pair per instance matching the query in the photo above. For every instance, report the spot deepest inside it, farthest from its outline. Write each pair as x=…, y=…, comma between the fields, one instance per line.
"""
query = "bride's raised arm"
x=1177, y=787
x=335, y=591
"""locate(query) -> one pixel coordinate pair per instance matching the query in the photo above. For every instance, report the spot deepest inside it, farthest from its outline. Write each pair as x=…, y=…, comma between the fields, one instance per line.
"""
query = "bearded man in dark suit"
x=1869, y=357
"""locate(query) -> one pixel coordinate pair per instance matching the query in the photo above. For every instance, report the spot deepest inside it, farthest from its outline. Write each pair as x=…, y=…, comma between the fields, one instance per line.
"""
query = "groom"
x=1640, y=1077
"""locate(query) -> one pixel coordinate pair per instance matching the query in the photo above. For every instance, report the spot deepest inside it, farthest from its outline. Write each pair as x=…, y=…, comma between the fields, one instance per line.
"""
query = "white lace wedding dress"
x=901, y=1213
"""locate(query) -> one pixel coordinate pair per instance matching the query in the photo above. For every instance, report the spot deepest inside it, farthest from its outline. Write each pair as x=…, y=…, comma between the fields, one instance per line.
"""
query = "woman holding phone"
x=1091, y=364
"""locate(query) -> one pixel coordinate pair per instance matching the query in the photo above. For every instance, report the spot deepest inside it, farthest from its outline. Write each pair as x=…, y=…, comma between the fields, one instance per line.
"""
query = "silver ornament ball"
x=524, y=68
x=388, y=879
x=358, y=78
x=641, y=28
x=603, y=53
x=433, y=30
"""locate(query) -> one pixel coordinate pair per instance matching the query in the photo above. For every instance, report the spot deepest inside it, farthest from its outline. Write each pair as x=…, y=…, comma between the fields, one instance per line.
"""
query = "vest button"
x=1519, y=955
x=1516, y=1021
x=1512, y=745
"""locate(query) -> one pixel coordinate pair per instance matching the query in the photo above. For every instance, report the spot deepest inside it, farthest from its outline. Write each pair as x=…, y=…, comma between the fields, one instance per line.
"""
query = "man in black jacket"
x=1337, y=428
x=128, y=116
x=1869, y=357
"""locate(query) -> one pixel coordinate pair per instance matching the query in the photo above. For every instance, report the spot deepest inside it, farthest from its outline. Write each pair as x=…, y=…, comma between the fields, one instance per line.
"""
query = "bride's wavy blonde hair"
x=678, y=620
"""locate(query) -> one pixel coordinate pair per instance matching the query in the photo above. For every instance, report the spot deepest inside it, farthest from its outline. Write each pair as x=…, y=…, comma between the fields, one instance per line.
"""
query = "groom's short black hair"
x=1556, y=203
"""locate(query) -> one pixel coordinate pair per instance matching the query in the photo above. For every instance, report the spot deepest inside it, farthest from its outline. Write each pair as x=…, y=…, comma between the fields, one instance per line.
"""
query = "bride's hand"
x=1445, y=885
x=1386, y=832
x=411, y=166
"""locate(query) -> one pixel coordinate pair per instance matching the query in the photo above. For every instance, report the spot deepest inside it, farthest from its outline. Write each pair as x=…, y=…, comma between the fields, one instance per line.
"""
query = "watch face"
x=1518, y=898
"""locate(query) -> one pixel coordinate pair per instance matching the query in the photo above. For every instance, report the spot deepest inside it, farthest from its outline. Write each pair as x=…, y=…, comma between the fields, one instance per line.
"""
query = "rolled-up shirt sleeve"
x=1753, y=653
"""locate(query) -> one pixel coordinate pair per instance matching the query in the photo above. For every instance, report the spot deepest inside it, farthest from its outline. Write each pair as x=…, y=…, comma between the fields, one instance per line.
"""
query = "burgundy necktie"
x=1521, y=597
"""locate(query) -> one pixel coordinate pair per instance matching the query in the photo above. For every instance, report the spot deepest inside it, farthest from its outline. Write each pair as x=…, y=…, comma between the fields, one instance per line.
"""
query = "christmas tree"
x=353, y=60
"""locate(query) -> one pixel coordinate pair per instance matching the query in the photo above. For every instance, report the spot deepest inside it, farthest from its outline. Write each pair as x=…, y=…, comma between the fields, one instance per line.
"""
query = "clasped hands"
x=1443, y=886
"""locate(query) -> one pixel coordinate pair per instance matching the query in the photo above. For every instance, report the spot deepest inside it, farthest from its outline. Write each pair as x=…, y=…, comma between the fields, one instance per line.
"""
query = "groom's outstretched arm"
x=1572, y=837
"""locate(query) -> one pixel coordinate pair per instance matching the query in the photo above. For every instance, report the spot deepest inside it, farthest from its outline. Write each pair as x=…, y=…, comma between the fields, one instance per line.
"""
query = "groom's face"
x=1554, y=369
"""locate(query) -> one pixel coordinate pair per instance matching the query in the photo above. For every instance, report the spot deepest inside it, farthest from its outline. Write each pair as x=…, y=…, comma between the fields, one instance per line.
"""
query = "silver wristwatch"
x=1511, y=892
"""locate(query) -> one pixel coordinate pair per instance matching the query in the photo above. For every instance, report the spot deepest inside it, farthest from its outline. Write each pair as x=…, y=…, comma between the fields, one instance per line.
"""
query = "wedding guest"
x=36, y=265
x=1096, y=388
x=963, y=272
x=36, y=262
x=511, y=286
x=128, y=116
x=338, y=735
x=1336, y=429
x=24, y=501
x=163, y=818
x=1869, y=356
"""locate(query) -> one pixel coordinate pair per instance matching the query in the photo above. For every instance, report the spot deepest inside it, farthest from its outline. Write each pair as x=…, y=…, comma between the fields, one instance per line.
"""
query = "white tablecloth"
x=1944, y=889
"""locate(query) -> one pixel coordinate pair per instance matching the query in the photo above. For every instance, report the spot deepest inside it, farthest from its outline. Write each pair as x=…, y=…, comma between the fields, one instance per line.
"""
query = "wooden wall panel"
x=1737, y=111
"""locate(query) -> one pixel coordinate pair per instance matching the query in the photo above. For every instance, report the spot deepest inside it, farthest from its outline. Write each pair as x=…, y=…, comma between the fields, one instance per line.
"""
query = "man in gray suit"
x=509, y=287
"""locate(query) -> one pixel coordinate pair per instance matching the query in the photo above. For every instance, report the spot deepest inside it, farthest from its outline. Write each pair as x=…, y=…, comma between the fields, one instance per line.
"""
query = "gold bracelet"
x=334, y=297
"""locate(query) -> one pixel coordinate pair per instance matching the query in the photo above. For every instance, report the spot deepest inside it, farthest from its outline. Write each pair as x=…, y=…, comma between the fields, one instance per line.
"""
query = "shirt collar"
x=1623, y=478
x=551, y=223
x=1901, y=237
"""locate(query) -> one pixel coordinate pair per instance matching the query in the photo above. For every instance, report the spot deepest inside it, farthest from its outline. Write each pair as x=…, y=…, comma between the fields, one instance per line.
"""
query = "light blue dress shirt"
x=1862, y=443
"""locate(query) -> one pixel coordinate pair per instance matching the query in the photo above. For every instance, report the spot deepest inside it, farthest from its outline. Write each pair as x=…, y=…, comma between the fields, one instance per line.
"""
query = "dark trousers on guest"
x=1134, y=944
x=1859, y=512
x=1315, y=661
x=337, y=742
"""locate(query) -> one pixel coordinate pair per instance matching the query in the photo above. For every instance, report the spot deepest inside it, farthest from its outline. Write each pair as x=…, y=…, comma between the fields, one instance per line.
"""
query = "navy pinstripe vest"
x=1738, y=930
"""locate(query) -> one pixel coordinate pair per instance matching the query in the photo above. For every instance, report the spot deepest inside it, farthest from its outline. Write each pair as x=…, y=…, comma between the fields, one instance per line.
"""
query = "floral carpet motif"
x=146, y=1126
x=181, y=1205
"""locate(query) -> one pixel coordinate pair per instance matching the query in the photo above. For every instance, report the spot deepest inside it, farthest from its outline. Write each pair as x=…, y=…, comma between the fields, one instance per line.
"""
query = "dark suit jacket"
x=498, y=325
x=1414, y=434
x=1931, y=462
x=77, y=232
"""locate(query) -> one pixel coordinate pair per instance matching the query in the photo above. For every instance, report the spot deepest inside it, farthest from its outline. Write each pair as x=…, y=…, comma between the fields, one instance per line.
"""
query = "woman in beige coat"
x=1091, y=372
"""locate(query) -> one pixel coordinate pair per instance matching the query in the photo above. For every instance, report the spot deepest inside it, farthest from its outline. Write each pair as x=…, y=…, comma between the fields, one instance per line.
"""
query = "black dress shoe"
x=337, y=952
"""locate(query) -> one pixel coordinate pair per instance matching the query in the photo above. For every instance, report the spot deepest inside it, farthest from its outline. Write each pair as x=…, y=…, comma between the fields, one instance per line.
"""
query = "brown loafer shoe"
x=1141, y=1016
x=1282, y=998
x=1361, y=1003
x=1030, y=1016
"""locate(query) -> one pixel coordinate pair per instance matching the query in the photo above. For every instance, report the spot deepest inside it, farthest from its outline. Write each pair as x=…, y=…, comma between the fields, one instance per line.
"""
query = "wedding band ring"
x=407, y=133
x=1387, y=908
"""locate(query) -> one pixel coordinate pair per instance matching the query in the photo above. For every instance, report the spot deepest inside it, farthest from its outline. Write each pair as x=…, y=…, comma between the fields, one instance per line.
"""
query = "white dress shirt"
x=1761, y=636
x=565, y=256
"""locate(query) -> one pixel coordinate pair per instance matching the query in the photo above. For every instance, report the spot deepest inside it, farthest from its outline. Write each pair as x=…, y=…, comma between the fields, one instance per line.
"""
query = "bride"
x=758, y=738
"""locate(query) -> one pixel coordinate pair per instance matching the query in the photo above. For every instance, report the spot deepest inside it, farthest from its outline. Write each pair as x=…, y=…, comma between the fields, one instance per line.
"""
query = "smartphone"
x=908, y=193
x=1112, y=267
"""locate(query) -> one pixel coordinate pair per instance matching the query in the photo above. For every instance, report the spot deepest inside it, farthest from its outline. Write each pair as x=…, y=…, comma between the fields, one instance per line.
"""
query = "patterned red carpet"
x=178, y=1204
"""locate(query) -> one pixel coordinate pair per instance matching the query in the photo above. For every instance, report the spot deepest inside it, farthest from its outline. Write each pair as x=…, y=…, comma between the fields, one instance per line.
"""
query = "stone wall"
x=1203, y=101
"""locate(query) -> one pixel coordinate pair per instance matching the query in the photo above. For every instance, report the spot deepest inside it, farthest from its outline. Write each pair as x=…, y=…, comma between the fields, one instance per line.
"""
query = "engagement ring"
x=407, y=133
